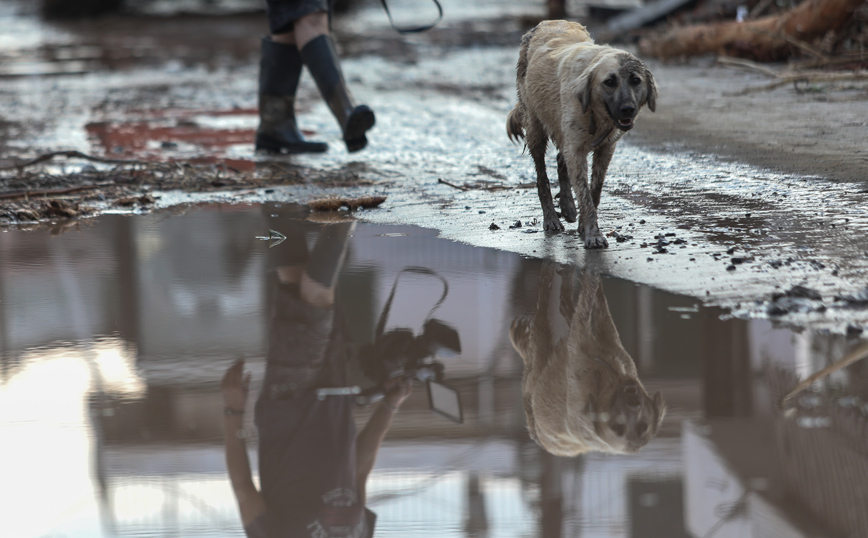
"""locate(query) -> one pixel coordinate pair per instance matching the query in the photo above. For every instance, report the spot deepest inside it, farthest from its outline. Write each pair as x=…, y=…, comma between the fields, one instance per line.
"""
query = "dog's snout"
x=628, y=110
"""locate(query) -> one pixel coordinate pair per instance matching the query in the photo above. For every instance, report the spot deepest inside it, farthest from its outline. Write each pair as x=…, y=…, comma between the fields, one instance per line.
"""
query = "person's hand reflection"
x=235, y=387
x=397, y=390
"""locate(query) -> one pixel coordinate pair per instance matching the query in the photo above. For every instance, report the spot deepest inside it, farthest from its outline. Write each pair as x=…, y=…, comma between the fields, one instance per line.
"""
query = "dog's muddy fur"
x=580, y=386
x=583, y=97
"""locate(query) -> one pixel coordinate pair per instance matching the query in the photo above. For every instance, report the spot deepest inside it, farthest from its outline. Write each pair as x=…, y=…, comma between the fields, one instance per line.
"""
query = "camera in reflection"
x=402, y=353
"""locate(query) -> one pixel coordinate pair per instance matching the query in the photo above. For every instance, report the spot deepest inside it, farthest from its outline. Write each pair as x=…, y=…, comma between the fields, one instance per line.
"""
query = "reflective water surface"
x=117, y=342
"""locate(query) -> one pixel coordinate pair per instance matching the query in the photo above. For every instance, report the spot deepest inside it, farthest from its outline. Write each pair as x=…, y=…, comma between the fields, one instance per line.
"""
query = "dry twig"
x=854, y=356
x=336, y=203
x=68, y=154
x=783, y=80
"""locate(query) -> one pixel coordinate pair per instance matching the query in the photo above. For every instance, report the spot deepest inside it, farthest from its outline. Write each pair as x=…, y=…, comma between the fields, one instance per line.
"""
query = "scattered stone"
x=620, y=238
x=800, y=292
x=730, y=267
x=128, y=201
x=517, y=224
x=799, y=299
x=860, y=298
x=494, y=227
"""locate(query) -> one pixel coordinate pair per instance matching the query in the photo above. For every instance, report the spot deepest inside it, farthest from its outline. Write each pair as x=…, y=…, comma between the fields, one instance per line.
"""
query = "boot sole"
x=361, y=119
x=271, y=145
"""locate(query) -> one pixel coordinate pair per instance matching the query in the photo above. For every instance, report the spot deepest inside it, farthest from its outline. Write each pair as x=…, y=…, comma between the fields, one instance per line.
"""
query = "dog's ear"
x=651, y=88
x=583, y=89
x=659, y=411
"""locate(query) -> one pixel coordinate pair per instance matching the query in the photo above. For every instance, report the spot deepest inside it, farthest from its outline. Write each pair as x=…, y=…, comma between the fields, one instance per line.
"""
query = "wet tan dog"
x=583, y=97
x=580, y=386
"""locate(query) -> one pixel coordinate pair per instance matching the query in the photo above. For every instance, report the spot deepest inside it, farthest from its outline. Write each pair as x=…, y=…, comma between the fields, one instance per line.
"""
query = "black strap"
x=414, y=29
x=381, y=324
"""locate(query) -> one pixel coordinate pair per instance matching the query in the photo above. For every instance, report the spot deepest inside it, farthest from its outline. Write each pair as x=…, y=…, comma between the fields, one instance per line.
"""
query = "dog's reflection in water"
x=580, y=387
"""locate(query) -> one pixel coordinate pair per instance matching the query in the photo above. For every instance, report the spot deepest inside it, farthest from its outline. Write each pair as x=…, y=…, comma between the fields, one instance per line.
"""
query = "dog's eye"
x=635, y=81
x=610, y=82
x=619, y=429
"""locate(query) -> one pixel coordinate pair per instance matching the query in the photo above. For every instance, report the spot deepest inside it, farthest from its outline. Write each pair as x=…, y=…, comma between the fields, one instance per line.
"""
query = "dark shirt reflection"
x=313, y=466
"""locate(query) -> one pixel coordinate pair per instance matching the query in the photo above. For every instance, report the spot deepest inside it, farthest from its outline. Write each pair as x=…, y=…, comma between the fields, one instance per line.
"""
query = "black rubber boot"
x=321, y=59
x=279, y=73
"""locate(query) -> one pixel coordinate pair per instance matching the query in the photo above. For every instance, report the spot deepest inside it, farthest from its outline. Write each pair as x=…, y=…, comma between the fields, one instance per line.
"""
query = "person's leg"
x=309, y=27
x=302, y=318
x=320, y=56
x=279, y=75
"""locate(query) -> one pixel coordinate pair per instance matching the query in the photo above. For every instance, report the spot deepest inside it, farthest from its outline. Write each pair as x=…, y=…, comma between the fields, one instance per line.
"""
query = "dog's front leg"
x=602, y=158
x=577, y=164
x=536, y=145
x=565, y=195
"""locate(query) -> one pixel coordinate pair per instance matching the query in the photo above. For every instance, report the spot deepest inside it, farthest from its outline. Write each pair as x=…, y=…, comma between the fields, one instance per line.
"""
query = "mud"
x=729, y=199
x=815, y=129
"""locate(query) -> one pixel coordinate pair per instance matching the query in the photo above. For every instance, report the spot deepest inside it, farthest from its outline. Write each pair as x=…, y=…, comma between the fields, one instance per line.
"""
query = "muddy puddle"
x=115, y=337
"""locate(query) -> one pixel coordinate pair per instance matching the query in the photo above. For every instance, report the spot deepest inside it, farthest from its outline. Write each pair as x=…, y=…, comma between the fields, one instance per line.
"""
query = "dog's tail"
x=515, y=123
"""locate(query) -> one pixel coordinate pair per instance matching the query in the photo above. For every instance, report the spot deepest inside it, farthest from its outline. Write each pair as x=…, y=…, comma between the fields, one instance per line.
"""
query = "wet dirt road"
x=757, y=242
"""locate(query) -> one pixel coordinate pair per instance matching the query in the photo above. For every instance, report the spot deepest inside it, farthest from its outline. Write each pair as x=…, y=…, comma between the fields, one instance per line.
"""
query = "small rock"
x=494, y=226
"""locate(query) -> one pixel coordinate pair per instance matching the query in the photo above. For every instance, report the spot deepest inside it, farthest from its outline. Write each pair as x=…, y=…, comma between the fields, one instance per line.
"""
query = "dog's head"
x=569, y=414
x=622, y=84
x=629, y=419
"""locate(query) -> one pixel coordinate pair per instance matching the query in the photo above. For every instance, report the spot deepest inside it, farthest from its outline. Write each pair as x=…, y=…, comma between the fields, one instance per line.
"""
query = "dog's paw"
x=568, y=209
x=596, y=242
x=552, y=223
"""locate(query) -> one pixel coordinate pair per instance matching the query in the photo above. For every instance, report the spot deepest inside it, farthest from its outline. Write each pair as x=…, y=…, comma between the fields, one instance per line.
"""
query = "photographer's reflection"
x=313, y=467
x=580, y=386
